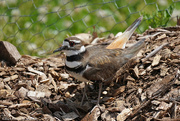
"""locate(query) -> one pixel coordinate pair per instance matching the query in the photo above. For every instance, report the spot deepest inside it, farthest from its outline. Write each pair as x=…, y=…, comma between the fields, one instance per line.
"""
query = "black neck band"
x=77, y=69
x=71, y=58
x=77, y=57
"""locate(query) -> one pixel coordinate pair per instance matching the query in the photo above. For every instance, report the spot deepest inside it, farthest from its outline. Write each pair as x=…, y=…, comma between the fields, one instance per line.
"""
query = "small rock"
x=9, y=53
x=104, y=92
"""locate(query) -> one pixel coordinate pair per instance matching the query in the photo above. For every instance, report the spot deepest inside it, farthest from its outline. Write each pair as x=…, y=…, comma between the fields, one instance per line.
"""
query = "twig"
x=155, y=51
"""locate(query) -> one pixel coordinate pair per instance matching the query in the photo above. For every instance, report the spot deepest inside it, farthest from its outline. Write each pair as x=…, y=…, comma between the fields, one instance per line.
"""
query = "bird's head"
x=72, y=46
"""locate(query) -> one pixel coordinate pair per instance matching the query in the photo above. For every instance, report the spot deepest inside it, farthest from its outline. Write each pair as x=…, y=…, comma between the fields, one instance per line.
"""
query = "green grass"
x=37, y=27
x=159, y=18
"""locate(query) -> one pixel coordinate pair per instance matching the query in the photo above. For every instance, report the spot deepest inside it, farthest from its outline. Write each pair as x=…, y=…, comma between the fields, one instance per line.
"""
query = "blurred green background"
x=36, y=27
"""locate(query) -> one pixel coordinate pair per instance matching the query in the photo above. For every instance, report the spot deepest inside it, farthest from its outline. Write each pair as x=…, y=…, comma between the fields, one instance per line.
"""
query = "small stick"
x=84, y=94
x=99, y=94
x=155, y=51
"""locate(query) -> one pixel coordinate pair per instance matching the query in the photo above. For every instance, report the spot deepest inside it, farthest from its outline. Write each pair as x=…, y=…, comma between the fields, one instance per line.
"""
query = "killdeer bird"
x=96, y=63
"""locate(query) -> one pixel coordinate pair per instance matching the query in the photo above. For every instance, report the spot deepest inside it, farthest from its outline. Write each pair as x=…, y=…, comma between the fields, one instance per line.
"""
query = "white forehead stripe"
x=72, y=64
x=65, y=43
x=76, y=41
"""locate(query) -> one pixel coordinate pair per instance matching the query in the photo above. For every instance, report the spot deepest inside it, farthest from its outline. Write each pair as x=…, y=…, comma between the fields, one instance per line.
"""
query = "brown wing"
x=104, y=64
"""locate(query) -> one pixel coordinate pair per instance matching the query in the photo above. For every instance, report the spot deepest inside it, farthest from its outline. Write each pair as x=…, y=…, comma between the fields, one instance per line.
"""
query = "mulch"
x=146, y=88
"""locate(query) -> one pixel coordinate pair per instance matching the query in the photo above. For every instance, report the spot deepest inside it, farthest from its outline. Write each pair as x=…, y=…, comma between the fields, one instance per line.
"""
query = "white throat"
x=72, y=64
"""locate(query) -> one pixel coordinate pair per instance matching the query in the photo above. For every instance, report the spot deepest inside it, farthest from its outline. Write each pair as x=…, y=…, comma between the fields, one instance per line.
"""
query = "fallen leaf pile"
x=146, y=88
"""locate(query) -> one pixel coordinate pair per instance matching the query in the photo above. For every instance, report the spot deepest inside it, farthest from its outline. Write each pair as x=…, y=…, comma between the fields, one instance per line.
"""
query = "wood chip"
x=20, y=105
x=163, y=71
x=156, y=60
x=92, y=115
x=136, y=72
x=1, y=85
x=3, y=106
x=124, y=114
x=119, y=90
x=4, y=93
x=164, y=106
x=70, y=116
x=18, y=69
x=41, y=74
x=3, y=73
x=35, y=95
x=161, y=37
x=2, y=69
x=13, y=77
x=29, y=73
x=53, y=82
x=54, y=74
x=5, y=102
x=129, y=78
x=22, y=92
x=106, y=116
x=47, y=117
x=44, y=81
x=177, y=49
x=64, y=76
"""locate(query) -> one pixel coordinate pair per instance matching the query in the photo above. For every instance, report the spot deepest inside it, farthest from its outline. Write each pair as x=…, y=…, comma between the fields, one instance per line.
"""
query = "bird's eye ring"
x=71, y=43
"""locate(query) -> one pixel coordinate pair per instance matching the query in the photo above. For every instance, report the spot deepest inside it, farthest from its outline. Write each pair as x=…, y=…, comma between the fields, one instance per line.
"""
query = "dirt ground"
x=146, y=88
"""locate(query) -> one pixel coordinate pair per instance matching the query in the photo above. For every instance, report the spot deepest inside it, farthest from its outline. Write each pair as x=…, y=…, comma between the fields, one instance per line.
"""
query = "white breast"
x=72, y=64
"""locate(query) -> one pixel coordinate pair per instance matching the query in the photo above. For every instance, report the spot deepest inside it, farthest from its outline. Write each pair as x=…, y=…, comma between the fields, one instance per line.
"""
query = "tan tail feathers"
x=120, y=41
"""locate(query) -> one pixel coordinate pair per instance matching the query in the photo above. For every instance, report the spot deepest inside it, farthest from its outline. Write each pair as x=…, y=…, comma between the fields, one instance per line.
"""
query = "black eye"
x=71, y=43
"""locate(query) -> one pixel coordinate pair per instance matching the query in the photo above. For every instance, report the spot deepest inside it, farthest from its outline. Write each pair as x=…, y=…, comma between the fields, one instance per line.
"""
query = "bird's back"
x=104, y=63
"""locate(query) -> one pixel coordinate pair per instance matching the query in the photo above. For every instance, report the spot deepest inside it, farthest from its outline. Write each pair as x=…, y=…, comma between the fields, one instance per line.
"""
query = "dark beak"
x=59, y=49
